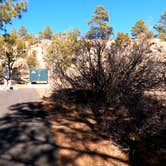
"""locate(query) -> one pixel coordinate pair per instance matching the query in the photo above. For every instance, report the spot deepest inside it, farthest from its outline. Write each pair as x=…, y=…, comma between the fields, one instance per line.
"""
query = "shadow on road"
x=25, y=137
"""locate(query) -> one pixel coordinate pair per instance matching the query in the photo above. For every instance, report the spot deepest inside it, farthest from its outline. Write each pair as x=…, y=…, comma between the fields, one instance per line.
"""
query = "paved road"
x=25, y=134
x=22, y=95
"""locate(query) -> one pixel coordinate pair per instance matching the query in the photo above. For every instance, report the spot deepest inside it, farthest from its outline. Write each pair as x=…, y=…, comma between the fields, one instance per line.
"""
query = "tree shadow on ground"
x=64, y=130
x=142, y=131
x=149, y=147
x=113, y=137
x=25, y=137
x=80, y=139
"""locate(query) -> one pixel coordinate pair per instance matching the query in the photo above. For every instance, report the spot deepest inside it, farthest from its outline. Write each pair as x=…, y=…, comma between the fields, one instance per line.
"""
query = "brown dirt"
x=120, y=140
x=80, y=141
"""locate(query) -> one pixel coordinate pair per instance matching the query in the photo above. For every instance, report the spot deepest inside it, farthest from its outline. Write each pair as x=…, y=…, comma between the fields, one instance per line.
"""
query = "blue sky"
x=62, y=15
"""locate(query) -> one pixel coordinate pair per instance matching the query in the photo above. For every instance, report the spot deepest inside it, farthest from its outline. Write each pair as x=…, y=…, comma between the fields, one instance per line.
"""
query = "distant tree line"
x=64, y=45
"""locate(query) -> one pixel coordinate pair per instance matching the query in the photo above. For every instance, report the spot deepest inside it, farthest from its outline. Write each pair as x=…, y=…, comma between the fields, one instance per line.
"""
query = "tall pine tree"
x=99, y=28
x=161, y=27
x=139, y=28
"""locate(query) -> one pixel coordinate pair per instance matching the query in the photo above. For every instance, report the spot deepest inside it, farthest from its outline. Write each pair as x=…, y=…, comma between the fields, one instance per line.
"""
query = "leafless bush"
x=116, y=74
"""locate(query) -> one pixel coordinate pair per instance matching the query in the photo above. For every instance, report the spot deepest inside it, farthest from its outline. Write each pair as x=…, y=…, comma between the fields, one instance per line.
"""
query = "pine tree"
x=47, y=33
x=139, y=28
x=11, y=48
x=22, y=32
x=122, y=40
x=161, y=27
x=99, y=28
x=10, y=9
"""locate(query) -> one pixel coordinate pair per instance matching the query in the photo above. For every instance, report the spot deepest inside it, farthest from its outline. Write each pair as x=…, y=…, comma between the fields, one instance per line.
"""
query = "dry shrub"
x=118, y=75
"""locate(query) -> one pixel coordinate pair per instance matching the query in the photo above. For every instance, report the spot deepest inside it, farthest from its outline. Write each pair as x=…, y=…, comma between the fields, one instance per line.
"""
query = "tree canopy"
x=99, y=28
x=11, y=48
x=62, y=48
x=139, y=28
x=46, y=34
x=22, y=32
x=161, y=26
x=10, y=9
x=122, y=39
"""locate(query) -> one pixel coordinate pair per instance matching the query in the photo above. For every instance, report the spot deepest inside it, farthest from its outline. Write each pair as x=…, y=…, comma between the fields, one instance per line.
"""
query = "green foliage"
x=32, y=60
x=11, y=48
x=162, y=36
x=139, y=28
x=10, y=9
x=62, y=49
x=30, y=38
x=150, y=35
x=14, y=32
x=22, y=32
x=122, y=40
x=161, y=27
x=46, y=34
x=40, y=35
x=99, y=28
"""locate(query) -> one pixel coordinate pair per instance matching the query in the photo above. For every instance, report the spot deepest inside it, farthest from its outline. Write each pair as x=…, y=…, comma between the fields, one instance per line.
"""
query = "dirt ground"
x=81, y=141
x=78, y=138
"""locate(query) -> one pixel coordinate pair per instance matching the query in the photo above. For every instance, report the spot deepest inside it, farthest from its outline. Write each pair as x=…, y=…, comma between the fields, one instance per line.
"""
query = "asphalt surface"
x=11, y=97
x=25, y=134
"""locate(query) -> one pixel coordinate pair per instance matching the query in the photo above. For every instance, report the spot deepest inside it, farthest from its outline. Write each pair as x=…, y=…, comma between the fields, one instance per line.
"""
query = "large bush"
x=118, y=75
x=32, y=60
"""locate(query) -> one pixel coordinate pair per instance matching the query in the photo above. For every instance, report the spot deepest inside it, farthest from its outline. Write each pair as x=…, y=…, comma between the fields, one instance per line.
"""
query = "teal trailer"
x=38, y=75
